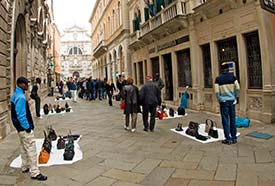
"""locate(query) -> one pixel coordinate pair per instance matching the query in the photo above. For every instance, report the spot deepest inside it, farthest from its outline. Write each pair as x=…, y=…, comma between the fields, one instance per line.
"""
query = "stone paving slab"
x=177, y=182
x=208, y=163
x=124, y=176
x=121, y=183
x=226, y=172
x=101, y=181
x=8, y=180
x=118, y=164
x=210, y=183
x=158, y=176
x=263, y=157
x=179, y=164
x=194, y=174
x=146, y=166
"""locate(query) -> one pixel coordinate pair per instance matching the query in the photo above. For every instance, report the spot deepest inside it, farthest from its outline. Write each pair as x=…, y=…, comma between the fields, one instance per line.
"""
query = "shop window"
x=155, y=65
x=227, y=52
x=207, y=69
x=184, y=68
x=254, y=63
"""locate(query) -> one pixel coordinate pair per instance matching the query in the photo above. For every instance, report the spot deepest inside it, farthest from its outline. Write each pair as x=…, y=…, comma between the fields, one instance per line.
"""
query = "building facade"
x=110, y=39
x=186, y=41
x=23, y=43
x=76, y=53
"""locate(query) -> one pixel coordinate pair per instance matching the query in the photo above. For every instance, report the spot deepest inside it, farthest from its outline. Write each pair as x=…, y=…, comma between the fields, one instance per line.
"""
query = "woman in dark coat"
x=130, y=96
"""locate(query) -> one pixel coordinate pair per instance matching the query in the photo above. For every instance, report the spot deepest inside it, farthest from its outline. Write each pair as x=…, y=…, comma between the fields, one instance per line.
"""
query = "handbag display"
x=193, y=129
x=69, y=150
x=51, y=133
x=213, y=132
x=47, y=144
x=44, y=156
x=60, y=143
x=58, y=109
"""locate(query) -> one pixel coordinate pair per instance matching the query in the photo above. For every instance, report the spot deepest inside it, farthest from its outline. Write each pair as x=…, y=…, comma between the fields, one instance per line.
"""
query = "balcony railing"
x=174, y=9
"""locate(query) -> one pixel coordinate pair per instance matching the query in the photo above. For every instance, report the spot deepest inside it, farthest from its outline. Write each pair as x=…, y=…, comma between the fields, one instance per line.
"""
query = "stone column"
x=215, y=73
x=196, y=68
x=266, y=36
x=175, y=77
x=127, y=62
x=119, y=65
x=114, y=71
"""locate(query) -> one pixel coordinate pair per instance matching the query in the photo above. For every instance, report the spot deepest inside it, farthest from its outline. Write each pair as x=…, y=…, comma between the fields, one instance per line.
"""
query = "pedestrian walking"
x=35, y=95
x=73, y=89
x=130, y=95
x=150, y=98
x=22, y=121
x=227, y=90
x=110, y=88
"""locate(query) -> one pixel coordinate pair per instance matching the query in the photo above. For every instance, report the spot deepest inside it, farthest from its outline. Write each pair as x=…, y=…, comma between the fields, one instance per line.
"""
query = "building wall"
x=23, y=42
x=110, y=52
x=213, y=23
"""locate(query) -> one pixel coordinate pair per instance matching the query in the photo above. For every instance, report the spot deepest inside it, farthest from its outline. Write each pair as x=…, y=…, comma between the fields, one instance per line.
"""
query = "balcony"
x=167, y=21
x=100, y=49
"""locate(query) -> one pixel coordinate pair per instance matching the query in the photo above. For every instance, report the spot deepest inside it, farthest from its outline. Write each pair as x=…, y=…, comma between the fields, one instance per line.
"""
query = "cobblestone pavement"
x=113, y=156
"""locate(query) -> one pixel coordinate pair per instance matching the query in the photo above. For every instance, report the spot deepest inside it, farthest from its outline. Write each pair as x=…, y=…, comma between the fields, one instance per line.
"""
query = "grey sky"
x=68, y=13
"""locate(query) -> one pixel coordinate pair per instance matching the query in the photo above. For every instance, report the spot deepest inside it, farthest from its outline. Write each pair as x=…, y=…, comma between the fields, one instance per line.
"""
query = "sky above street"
x=68, y=13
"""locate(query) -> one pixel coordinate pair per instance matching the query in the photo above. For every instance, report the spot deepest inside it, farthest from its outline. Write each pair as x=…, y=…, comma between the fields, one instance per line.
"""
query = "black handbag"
x=69, y=150
x=47, y=144
x=171, y=112
x=193, y=129
x=61, y=143
x=213, y=132
x=46, y=109
x=51, y=133
x=179, y=127
x=181, y=111
x=58, y=109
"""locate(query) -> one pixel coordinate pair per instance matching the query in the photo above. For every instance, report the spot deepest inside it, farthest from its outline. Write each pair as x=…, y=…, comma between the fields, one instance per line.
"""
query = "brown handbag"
x=44, y=156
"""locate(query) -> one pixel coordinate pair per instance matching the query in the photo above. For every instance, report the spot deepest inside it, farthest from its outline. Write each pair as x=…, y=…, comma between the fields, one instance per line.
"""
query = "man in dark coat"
x=150, y=98
x=130, y=96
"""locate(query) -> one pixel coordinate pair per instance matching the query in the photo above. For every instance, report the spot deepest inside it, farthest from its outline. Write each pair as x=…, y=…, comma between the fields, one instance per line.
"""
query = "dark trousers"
x=37, y=106
x=145, y=113
x=110, y=95
x=228, y=115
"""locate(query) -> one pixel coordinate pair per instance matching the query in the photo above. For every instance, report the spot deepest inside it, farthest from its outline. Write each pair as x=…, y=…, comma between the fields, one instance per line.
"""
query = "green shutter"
x=146, y=13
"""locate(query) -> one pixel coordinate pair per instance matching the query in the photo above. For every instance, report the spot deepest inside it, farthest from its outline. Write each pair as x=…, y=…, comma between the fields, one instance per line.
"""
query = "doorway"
x=168, y=77
x=155, y=65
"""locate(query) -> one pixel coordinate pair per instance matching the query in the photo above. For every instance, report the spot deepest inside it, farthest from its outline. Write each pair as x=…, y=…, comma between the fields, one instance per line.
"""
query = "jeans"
x=228, y=115
x=145, y=113
x=133, y=120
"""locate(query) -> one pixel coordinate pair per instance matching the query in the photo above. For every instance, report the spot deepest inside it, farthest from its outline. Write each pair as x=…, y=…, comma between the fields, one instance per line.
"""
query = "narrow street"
x=113, y=156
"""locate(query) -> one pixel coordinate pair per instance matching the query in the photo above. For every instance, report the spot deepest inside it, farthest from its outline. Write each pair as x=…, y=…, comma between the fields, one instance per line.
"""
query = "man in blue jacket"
x=227, y=90
x=22, y=121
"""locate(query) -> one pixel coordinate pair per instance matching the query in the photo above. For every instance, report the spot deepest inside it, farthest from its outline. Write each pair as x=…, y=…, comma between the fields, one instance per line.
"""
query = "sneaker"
x=226, y=142
x=133, y=130
x=126, y=128
x=234, y=141
x=145, y=129
x=40, y=117
x=40, y=177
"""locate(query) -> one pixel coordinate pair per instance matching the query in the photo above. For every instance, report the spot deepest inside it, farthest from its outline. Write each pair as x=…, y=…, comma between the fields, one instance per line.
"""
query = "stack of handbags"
x=44, y=155
x=51, y=133
x=211, y=128
x=69, y=150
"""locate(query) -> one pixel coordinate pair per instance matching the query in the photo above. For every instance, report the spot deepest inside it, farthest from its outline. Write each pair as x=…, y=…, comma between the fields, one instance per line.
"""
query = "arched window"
x=119, y=13
x=113, y=21
x=109, y=26
x=75, y=51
